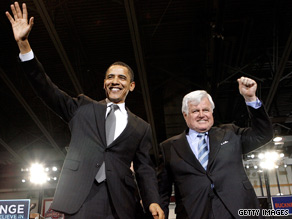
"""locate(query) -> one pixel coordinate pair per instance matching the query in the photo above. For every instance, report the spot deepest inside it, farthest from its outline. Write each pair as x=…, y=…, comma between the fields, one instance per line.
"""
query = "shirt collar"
x=194, y=133
x=121, y=105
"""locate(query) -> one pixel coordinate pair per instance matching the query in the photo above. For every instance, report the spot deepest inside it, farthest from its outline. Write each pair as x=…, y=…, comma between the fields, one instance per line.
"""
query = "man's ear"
x=103, y=83
x=132, y=86
x=185, y=116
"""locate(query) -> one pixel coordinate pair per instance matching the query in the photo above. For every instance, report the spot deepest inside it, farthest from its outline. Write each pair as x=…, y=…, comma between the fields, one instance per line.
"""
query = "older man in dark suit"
x=96, y=180
x=205, y=162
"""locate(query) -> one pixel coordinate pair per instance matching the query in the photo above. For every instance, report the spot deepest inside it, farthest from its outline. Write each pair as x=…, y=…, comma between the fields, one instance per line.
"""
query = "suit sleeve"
x=145, y=171
x=60, y=102
x=260, y=132
x=165, y=182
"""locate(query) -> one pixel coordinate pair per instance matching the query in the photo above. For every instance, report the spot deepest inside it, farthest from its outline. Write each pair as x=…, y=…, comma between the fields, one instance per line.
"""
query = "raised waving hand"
x=21, y=26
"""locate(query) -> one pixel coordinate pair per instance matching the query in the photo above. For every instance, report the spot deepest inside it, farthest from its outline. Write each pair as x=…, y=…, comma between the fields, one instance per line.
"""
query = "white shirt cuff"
x=27, y=56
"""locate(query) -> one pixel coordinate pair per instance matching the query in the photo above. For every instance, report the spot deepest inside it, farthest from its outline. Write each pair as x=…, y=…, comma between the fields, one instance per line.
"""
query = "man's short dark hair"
x=130, y=71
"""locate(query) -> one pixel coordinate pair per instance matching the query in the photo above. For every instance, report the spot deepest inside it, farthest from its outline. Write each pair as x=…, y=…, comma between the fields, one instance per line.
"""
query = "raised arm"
x=261, y=130
x=21, y=26
x=60, y=102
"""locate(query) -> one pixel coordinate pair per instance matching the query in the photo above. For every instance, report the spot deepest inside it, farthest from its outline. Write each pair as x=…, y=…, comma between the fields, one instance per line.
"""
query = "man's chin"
x=114, y=100
x=203, y=129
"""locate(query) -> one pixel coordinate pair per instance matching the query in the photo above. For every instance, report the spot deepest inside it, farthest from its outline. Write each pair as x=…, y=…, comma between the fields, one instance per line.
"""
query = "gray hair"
x=195, y=97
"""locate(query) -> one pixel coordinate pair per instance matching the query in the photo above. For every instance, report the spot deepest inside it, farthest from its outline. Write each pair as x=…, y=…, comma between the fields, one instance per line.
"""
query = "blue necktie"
x=203, y=150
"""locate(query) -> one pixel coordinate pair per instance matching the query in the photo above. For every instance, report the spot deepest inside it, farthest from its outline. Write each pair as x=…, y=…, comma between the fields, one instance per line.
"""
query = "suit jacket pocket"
x=71, y=164
x=247, y=184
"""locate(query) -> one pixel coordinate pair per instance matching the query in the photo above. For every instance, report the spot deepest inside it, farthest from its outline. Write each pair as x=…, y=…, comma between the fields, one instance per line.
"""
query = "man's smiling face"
x=200, y=116
x=117, y=83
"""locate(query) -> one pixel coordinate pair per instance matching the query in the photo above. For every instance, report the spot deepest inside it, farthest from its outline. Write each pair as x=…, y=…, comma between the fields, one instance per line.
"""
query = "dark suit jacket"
x=88, y=150
x=225, y=168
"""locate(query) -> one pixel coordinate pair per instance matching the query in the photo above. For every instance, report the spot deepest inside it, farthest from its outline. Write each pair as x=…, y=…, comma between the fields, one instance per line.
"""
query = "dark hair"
x=130, y=71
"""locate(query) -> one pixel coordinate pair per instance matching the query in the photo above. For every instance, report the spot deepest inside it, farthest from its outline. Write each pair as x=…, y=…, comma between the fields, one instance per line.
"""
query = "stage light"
x=37, y=174
x=272, y=155
x=277, y=139
x=55, y=169
x=269, y=159
x=261, y=156
x=267, y=165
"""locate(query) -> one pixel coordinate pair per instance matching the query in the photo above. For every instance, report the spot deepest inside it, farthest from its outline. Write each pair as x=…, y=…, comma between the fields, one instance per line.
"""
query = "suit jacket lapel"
x=100, y=120
x=182, y=147
x=130, y=127
x=215, y=138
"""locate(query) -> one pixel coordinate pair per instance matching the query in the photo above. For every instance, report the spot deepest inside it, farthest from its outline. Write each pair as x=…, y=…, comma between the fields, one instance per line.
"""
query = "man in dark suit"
x=96, y=180
x=205, y=163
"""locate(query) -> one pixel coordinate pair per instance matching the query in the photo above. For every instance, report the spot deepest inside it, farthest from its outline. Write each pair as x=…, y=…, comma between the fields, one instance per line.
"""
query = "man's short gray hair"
x=195, y=97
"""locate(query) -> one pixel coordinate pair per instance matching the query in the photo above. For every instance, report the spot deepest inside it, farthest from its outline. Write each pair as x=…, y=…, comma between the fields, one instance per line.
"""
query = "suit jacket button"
x=98, y=165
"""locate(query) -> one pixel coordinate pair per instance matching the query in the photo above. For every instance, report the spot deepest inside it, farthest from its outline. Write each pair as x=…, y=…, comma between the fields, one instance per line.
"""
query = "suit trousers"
x=97, y=205
x=216, y=208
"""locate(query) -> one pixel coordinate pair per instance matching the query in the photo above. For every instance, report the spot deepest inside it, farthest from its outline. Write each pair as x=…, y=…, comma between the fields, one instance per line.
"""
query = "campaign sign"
x=14, y=209
x=282, y=202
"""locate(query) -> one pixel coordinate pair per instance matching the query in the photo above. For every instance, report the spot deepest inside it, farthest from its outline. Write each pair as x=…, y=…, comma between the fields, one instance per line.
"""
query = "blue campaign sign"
x=14, y=209
x=282, y=202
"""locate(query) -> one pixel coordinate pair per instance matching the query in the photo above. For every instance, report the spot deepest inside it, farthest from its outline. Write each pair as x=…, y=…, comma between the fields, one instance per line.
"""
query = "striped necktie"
x=203, y=150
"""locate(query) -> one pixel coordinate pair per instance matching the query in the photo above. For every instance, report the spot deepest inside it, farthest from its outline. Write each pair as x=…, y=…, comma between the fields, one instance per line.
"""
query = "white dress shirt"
x=121, y=117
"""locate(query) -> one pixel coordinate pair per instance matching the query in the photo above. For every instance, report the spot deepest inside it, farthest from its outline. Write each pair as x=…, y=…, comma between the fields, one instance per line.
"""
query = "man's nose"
x=201, y=114
x=115, y=80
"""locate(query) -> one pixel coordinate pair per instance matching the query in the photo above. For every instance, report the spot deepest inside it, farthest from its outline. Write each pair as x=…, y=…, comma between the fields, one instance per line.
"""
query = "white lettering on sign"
x=12, y=209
